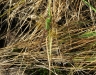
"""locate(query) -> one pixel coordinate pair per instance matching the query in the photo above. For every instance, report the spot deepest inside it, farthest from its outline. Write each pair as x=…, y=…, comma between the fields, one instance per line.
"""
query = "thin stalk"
x=49, y=37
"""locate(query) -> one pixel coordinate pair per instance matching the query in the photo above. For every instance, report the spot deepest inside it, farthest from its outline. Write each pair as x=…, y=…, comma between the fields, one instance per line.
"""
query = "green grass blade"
x=94, y=9
x=88, y=34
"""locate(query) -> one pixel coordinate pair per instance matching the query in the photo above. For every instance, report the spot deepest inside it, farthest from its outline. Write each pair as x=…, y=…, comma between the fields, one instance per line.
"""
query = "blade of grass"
x=49, y=37
x=94, y=9
x=88, y=34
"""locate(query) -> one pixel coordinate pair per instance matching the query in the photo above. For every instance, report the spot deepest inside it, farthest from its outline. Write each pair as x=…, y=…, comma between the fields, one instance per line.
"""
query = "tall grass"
x=57, y=35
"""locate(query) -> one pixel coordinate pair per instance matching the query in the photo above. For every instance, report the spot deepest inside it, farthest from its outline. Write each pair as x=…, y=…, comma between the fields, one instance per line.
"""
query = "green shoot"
x=94, y=9
x=88, y=34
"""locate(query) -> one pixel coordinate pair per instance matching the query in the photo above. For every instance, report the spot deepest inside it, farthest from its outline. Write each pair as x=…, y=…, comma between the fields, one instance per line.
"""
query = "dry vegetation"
x=26, y=46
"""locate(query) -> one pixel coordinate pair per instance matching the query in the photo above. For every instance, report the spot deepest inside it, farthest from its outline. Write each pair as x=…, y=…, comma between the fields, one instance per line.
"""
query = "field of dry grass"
x=50, y=34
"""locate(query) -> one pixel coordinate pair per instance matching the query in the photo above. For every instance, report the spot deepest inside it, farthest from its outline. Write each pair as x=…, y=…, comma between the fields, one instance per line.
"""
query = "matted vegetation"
x=57, y=37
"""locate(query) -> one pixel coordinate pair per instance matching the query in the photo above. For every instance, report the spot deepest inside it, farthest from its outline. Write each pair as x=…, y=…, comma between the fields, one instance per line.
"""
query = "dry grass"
x=22, y=26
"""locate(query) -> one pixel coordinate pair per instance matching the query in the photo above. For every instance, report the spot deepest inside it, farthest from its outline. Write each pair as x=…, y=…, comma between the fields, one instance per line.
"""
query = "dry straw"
x=57, y=35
